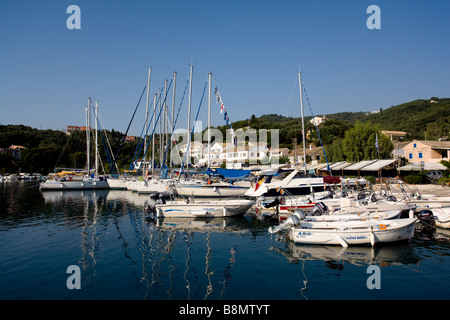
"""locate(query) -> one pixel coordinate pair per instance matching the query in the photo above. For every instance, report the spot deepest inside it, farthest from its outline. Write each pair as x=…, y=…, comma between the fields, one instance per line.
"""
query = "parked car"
x=434, y=175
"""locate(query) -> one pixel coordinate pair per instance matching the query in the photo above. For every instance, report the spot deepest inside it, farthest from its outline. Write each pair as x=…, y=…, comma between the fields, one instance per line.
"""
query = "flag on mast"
x=376, y=144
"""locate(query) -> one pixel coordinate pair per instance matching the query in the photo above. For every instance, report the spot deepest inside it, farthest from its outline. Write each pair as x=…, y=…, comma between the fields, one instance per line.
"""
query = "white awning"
x=340, y=165
x=378, y=164
x=359, y=165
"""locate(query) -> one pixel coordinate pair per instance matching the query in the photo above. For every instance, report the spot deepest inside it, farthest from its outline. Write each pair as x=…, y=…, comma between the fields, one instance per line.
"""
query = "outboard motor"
x=292, y=221
x=427, y=217
x=319, y=209
x=343, y=194
x=391, y=198
x=361, y=196
x=274, y=203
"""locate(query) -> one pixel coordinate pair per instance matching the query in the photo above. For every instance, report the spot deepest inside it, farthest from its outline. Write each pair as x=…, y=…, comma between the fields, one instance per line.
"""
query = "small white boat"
x=362, y=216
x=442, y=217
x=347, y=233
x=199, y=208
x=320, y=212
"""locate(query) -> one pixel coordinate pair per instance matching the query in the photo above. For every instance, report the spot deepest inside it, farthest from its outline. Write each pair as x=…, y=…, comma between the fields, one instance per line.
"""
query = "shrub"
x=444, y=181
x=371, y=179
x=415, y=179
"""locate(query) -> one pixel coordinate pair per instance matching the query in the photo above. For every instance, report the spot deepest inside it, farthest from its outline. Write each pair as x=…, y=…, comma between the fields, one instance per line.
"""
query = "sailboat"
x=88, y=181
x=207, y=188
x=150, y=184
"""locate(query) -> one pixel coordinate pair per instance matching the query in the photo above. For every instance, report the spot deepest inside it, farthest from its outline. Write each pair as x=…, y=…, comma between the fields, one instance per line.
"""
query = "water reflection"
x=125, y=254
x=397, y=254
x=169, y=258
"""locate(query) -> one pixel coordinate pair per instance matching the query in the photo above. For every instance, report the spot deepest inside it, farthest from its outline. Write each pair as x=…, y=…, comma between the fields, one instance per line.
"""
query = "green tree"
x=359, y=143
x=41, y=159
x=335, y=152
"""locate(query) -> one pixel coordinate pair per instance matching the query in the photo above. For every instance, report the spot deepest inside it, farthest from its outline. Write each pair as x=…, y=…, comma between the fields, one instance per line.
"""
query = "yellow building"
x=421, y=152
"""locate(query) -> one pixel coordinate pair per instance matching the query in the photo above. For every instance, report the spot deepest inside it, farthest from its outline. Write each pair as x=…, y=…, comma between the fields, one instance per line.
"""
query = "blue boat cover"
x=234, y=174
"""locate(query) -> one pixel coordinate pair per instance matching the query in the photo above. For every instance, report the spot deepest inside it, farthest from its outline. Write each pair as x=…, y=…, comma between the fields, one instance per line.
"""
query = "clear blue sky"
x=252, y=48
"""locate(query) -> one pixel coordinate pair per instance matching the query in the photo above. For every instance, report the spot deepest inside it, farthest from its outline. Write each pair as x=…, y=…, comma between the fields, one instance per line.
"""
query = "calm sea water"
x=122, y=254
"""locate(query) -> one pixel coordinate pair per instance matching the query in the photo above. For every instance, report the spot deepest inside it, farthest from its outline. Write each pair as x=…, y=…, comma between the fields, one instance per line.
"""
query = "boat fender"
x=372, y=237
x=342, y=241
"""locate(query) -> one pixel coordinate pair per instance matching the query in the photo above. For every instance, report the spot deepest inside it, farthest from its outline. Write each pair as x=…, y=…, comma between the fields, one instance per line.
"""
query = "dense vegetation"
x=48, y=149
x=346, y=136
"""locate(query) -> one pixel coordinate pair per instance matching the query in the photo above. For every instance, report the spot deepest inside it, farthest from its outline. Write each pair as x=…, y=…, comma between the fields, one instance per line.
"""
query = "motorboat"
x=345, y=233
x=201, y=208
x=442, y=217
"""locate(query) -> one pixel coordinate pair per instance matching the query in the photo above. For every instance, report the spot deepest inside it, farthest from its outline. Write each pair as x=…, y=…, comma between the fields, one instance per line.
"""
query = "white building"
x=318, y=120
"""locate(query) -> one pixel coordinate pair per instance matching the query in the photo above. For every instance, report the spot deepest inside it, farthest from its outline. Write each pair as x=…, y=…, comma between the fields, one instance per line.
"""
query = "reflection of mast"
x=89, y=257
x=208, y=273
x=84, y=234
x=305, y=282
x=227, y=272
x=188, y=260
x=169, y=248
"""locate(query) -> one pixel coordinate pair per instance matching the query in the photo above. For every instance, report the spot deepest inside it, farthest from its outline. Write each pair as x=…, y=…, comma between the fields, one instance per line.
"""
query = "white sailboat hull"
x=85, y=183
x=353, y=233
x=210, y=190
x=148, y=187
x=117, y=184
x=224, y=208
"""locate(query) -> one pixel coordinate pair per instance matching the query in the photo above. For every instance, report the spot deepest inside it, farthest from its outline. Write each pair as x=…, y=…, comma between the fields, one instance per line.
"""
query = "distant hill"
x=418, y=118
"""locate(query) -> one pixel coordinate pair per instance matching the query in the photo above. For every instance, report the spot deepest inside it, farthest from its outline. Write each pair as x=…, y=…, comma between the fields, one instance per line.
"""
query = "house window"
x=410, y=156
x=415, y=145
x=420, y=155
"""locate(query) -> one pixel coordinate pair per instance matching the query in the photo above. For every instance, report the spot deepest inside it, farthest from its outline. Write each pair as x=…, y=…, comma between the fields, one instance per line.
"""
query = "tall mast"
x=160, y=127
x=209, y=118
x=166, y=120
x=96, y=137
x=146, y=112
x=189, y=117
x=173, y=111
x=88, y=136
x=153, y=135
x=303, y=120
